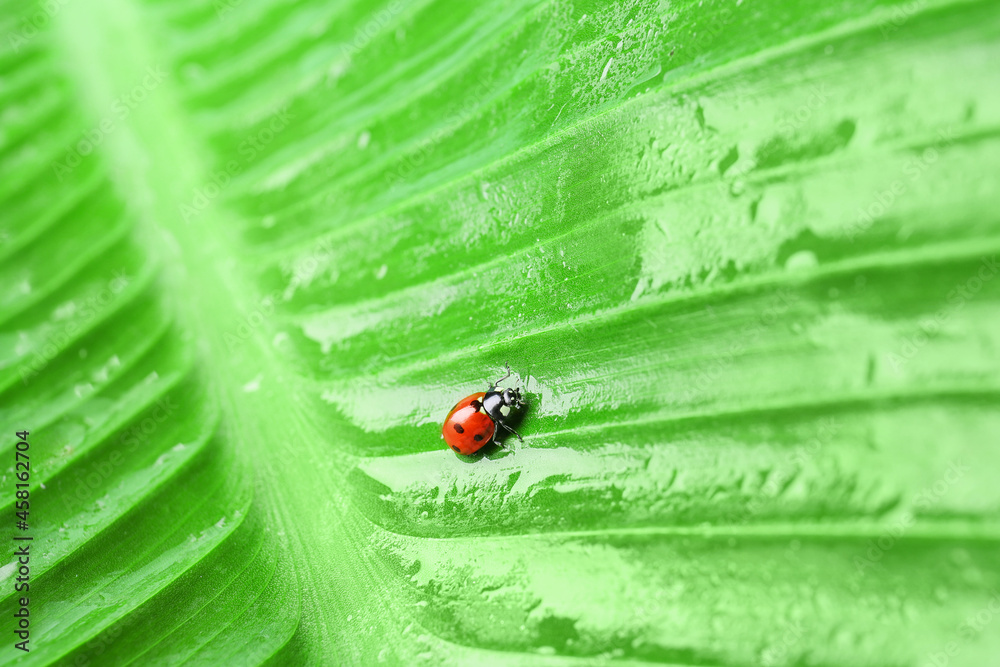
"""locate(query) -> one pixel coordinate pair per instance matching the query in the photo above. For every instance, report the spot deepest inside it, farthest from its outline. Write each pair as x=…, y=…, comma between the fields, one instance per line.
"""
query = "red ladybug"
x=473, y=422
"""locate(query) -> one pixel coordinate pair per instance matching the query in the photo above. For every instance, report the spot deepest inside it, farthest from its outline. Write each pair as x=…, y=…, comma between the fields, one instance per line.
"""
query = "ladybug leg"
x=495, y=441
x=512, y=431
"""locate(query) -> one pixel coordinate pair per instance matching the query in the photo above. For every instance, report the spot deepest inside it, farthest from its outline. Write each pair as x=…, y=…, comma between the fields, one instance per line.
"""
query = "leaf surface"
x=742, y=254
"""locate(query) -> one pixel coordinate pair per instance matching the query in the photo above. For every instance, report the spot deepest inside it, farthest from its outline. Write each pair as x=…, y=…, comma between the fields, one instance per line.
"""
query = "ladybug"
x=473, y=422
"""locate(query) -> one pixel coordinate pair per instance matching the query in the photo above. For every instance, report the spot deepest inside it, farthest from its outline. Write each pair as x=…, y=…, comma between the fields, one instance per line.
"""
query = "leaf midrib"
x=104, y=48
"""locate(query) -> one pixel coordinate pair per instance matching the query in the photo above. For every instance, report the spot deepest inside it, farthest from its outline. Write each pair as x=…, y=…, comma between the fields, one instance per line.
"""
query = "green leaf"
x=743, y=255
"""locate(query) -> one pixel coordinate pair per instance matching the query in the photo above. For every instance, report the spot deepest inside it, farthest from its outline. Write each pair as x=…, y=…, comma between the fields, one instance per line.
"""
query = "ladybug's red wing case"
x=466, y=429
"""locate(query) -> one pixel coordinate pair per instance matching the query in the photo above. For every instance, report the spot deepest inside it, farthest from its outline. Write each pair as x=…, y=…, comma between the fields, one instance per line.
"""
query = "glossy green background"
x=744, y=254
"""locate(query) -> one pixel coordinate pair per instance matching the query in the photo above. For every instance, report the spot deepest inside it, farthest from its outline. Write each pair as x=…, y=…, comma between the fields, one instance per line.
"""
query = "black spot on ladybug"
x=456, y=449
x=476, y=405
x=477, y=437
x=458, y=427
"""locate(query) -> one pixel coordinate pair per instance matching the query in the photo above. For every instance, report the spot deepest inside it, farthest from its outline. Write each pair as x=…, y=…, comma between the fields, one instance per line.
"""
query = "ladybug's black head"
x=512, y=397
